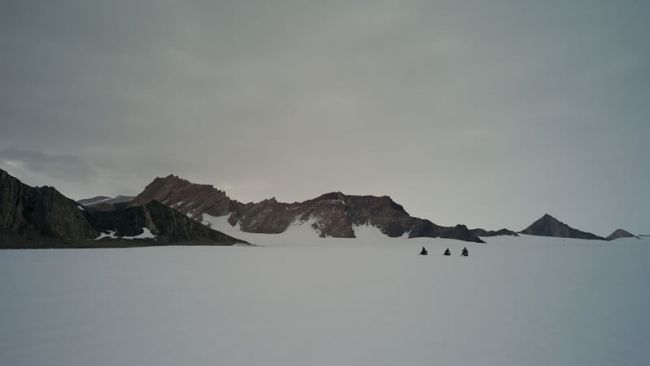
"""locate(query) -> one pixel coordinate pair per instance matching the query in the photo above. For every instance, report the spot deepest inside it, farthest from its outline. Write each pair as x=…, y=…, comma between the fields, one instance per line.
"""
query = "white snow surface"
x=367, y=301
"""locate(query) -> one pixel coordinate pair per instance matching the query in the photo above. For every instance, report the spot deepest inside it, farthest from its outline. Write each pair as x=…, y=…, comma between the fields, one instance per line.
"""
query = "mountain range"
x=172, y=210
x=331, y=215
x=42, y=217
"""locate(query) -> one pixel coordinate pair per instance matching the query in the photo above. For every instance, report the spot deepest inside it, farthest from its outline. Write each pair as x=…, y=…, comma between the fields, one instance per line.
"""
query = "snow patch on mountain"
x=110, y=234
x=299, y=233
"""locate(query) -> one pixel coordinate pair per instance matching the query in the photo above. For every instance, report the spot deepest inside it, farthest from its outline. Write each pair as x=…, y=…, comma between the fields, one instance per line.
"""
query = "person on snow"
x=465, y=253
x=423, y=251
x=447, y=252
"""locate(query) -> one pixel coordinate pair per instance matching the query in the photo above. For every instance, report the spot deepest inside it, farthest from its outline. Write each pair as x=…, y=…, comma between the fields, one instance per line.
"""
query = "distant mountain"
x=104, y=203
x=620, y=233
x=333, y=214
x=41, y=217
x=550, y=226
x=488, y=233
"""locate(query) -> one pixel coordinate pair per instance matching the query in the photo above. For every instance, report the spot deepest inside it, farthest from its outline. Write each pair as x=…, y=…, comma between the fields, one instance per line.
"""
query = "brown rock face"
x=189, y=198
x=334, y=214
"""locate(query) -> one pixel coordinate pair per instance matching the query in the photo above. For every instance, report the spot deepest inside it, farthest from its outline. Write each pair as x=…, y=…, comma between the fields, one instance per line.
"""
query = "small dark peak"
x=620, y=233
x=548, y=225
x=424, y=251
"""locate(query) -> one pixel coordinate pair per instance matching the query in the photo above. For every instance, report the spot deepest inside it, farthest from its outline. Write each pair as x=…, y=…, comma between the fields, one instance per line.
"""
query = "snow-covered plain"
x=367, y=301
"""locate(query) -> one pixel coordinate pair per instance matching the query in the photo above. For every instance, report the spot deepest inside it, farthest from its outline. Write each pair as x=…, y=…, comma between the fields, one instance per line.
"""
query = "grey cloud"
x=458, y=109
x=69, y=168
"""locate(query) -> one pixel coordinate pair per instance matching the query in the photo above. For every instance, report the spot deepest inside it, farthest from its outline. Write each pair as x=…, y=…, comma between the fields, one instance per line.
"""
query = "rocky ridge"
x=332, y=214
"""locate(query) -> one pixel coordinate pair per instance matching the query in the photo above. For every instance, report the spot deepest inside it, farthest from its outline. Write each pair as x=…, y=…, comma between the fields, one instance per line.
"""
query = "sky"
x=486, y=113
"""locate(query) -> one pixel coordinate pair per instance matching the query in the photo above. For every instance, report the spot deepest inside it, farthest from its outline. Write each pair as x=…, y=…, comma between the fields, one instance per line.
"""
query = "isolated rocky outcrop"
x=548, y=225
x=332, y=214
x=105, y=203
x=620, y=233
x=488, y=233
x=41, y=217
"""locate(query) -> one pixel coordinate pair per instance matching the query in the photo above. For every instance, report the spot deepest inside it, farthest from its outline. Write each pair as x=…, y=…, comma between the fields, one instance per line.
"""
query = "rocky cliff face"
x=42, y=217
x=620, y=233
x=333, y=214
x=550, y=226
x=32, y=215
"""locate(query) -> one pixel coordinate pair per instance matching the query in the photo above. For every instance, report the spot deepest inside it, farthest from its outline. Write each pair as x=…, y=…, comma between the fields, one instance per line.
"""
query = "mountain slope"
x=169, y=226
x=333, y=214
x=548, y=225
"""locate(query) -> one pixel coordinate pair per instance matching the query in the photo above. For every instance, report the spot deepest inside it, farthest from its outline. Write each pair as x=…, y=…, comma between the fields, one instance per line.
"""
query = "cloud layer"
x=486, y=113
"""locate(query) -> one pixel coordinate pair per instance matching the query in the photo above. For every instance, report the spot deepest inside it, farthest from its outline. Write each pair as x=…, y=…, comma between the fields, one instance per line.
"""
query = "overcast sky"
x=488, y=113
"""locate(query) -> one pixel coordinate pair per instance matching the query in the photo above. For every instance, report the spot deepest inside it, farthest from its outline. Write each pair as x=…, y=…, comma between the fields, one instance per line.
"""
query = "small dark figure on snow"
x=465, y=253
x=423, y=251
x=447, y=252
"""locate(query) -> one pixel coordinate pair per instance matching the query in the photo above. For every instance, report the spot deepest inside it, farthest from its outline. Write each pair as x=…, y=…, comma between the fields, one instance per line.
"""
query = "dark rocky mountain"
x=620, y=233
x=168, y=225
x=41, y=217
x=487, y=233
x=333, y=214
x=104, y=203
x=550, y=226
x=38, y=215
